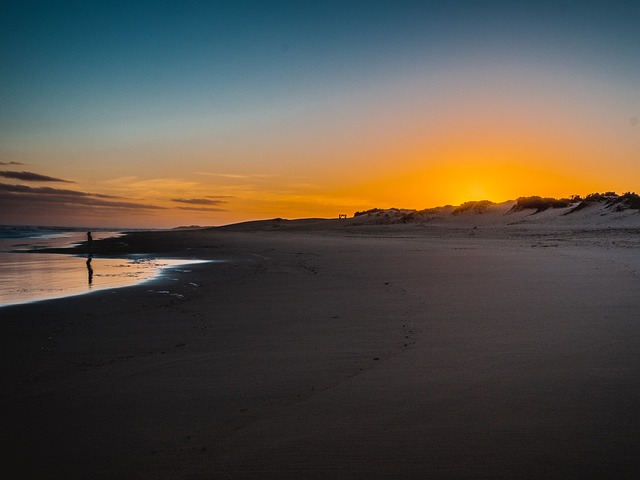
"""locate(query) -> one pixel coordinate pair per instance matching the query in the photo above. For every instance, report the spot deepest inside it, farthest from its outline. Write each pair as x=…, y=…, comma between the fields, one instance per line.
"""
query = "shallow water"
x=27, y=277
x=36, y=238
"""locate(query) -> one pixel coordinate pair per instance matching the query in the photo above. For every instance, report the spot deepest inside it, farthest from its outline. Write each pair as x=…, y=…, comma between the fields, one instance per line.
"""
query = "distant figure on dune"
x=89, y=240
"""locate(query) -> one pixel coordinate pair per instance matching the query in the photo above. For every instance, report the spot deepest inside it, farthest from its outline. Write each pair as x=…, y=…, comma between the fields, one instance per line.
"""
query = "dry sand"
x=327, y=350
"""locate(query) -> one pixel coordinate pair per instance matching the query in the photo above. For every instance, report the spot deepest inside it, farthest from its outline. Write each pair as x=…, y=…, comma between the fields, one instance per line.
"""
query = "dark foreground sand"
x=396, y=352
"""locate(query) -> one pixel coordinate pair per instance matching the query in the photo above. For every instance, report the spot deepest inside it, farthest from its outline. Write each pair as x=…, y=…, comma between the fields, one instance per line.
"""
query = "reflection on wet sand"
x=28, y=277
x=90, y=270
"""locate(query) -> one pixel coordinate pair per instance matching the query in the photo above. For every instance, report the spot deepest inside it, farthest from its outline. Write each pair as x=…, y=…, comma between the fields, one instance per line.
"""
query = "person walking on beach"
x=89, y=240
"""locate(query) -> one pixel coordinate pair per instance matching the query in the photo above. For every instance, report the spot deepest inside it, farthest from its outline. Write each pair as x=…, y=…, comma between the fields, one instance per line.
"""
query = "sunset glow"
x=180, y=114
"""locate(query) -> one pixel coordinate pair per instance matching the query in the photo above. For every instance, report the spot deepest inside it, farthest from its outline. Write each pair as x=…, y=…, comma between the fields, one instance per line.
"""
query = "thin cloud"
x=48, y=196
x=49, y=191
x=225, y=175
x=198, y=201
x=202, y=209
x=236, y=175
x=11, y=163
x=32, y=177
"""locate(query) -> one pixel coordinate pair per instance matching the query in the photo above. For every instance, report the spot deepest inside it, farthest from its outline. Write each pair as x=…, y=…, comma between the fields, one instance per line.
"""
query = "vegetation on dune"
x=367, y=212
x=473, y=207
x=540, y=204
x=612, y=200
x=383, y=212
x=630, y=200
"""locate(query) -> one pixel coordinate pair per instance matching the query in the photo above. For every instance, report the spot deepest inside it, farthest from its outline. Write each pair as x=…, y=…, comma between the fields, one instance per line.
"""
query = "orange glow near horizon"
x=425, y=167
x=350, y=157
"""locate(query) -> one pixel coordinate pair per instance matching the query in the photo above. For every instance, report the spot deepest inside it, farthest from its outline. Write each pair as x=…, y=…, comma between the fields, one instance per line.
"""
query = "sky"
x=144, y=114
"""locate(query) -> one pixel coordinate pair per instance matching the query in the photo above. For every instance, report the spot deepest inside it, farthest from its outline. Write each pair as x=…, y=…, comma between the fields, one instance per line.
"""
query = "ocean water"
x=17, y=238
x=27, y=277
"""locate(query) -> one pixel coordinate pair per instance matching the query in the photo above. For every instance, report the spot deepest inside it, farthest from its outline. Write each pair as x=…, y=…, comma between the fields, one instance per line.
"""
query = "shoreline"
x=65, y=266
x=151, y=270
x=391, y=353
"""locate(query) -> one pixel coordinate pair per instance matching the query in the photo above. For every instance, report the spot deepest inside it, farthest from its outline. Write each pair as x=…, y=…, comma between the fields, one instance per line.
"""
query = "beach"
x=471, y=348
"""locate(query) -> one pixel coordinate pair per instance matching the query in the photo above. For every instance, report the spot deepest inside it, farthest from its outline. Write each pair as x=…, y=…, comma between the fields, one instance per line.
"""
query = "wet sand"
x=397, y=351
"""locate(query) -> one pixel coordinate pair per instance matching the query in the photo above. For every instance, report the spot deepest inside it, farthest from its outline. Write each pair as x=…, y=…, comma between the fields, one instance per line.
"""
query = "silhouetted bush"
x=633, y=200
x=540, y=204
x=475, y=207
x=367, y=212
x=601, y=197
x=611, y=200
x=626, y=201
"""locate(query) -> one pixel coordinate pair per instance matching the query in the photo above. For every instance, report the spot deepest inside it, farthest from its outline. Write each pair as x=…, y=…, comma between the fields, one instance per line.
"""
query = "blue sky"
x=69, y=63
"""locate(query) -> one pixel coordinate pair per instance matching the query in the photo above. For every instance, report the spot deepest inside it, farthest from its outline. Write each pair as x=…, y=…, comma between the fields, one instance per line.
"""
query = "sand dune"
x=483, y=219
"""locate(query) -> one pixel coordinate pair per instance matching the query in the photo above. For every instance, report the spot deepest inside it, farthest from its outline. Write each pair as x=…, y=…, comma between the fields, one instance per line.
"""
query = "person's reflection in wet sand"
x=90, y=270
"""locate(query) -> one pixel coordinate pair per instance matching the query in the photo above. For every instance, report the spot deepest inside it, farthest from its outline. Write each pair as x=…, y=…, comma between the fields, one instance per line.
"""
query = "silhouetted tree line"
x=612, y=200
x=475, y=207
x=540, y=204
x=367, y=212
x=626, y=201
x=629, y=200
